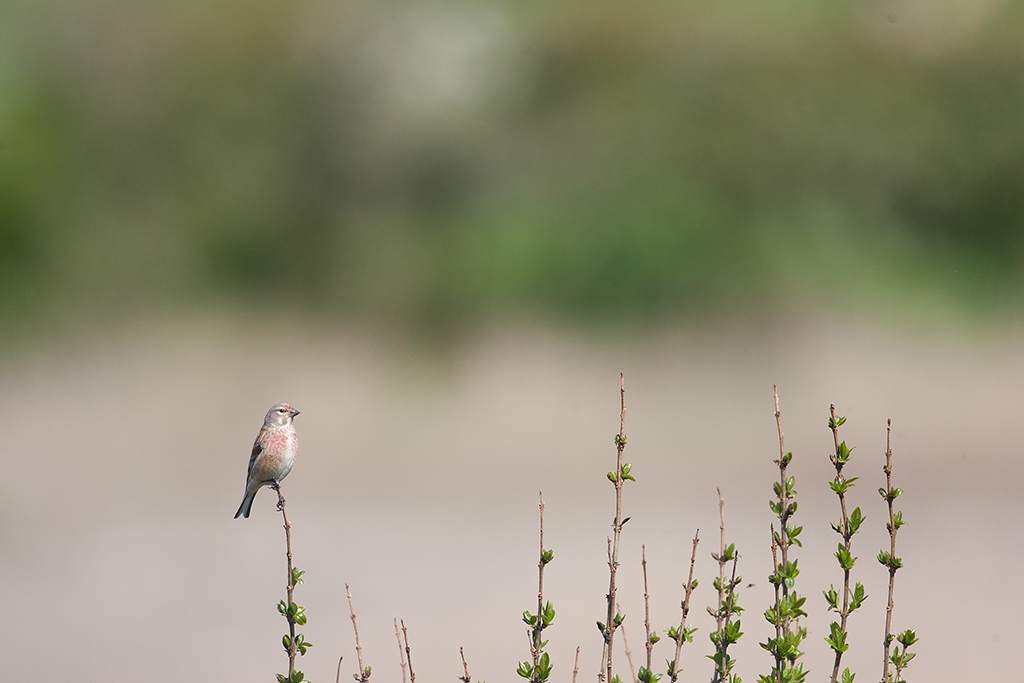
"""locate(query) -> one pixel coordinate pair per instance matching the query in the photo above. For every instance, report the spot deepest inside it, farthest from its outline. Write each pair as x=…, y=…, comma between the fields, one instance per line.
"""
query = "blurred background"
x=441, y=229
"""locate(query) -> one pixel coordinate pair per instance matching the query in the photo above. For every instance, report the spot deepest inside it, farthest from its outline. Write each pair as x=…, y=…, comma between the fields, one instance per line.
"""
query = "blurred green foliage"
x=426, y=164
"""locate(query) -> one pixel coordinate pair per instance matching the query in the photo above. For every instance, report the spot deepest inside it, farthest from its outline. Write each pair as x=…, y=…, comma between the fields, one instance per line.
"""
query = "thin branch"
x=845, y=528
x=720, y=614
x=292, y=647
x=629, y=652
x=401, y=653
x=408, y=653
x=778, y=606
x=538, y=626
x=576, y=666
x=674, y=668
x=613, y=555
x=364, y=673
x=465, y=678
x=893, y=563
x=647, y=607
x=782, y=462
x=337, y=677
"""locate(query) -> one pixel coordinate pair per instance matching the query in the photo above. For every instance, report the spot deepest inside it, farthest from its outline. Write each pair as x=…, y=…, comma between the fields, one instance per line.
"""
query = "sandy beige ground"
x=417, y=485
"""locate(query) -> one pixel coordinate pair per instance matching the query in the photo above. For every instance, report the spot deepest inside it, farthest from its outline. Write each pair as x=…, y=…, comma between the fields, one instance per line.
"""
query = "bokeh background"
x=441, y=229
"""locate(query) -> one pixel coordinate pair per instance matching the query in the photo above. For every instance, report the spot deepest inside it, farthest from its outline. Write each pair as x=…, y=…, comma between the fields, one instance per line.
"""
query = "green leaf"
x=859, y=596
x=549, y=613
x=543, y=669
x=837, y=638
x=645, y=675
x=907, y=638
x=856, y=519
x=547, y=556
x=846, y=559
x=832, y=598
x=843, y=453
x=525, y=670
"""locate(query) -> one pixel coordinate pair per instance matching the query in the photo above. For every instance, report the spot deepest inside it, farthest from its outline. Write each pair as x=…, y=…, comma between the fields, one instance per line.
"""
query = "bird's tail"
x=246, y=506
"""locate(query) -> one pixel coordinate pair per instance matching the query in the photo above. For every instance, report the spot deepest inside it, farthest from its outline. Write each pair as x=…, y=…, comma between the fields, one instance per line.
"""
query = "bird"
x=273, y=454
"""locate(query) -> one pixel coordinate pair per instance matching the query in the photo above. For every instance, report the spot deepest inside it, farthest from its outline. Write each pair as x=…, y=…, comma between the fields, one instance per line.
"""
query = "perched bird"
x=273, y=454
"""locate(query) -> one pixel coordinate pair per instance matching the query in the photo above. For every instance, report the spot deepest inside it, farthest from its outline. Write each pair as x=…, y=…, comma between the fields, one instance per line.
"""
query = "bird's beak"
x=294, y=412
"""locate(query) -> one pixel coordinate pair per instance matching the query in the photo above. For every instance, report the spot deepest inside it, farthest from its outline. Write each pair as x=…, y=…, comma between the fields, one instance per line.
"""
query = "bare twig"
x=892, y=551
x=576, y=666
x=465, y=667
x=681, y=634
x=364, y=672
x=899, y=659
x=724, y=635
x=538, y=626
x=782, y=462
x=408, y=653
x=292, y=646
x=401, y=653
x=719, y=613
x=629, y=652
x=613, y=618
x=778, y=604
x=647, y=607
x=787, y=609
x=337, y=677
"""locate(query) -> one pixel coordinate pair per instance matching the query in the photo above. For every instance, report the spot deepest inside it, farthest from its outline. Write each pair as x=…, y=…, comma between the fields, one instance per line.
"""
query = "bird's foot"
x=276, y=486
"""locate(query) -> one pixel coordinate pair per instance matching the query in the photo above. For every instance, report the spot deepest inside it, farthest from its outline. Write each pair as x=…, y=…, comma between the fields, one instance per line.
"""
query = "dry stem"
x=847, y=534
x=778, y=604
x=681, y=636
x=613, y=554
x=363, y=674
x=647, y=607
x=629, y=652
x=719, y=613
x=538, y=627
x=465, y=667
x=292, y=649
x=892, y=551
x=401, y=653
x=408, y=653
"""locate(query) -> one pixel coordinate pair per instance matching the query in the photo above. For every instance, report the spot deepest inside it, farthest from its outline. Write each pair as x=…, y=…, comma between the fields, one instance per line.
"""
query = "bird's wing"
x=257, y=449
